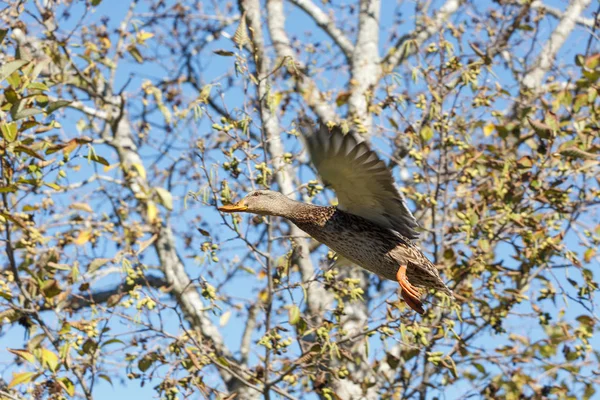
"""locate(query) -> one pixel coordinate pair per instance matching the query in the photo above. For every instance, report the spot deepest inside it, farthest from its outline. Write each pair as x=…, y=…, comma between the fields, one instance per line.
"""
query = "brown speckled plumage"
x=372, y=226
x=350, y=235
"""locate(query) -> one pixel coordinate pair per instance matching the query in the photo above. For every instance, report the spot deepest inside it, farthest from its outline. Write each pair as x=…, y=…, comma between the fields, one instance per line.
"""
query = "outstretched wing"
x=363, y=183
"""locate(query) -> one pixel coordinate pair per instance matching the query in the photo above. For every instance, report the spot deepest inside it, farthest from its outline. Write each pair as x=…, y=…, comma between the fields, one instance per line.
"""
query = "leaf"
x=165, y=198
x=3, y=34
x=224, y=53
x=540, y=128
x=7, y=69
x=95, y=3
x=142, y=36
x=55, y=105
x=224, y=318
x=28, y=151
x=51, y=288
x=294, y=315
x=152, y=211
x=135, y=53
x=67, y=385
x=97, y=263
x=240, y=37
x=426, y=133
x=50, y=359
x=53, y=186
x=488, y=129
x=22, y=377
x=342, y=98
x=82, y=207
x=83, y=238
x=140, y=170
x=111, y=341
x=144, y=364
x=589, y=254
x=24, y=354
x=9, y=131
x=106, y=378
x=98, y=159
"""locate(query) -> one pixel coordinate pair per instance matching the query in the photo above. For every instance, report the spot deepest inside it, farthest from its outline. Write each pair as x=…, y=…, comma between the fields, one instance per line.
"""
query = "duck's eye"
x=255, y=194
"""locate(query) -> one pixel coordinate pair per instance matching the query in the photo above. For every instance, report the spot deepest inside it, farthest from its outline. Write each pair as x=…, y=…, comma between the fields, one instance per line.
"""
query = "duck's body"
x=372, y=227
x=367, y=245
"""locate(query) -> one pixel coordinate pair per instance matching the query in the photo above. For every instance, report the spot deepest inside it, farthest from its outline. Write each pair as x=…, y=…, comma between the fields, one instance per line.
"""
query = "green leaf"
x=55, y=105
x=165, y=198
x=111, y=341
x=294, y=315
x=37, y=86
x=426, y=133
x=26, y=112
x=135, y=53
x=144, y=364
x=9, y=131
x=106, y=378
x=67, y=385
x=3, y=34
x=95, y=3
x=7, y=69
x=97, y=263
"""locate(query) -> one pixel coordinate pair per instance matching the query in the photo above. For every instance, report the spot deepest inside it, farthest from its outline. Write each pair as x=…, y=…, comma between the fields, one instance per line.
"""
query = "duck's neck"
x=292, y=209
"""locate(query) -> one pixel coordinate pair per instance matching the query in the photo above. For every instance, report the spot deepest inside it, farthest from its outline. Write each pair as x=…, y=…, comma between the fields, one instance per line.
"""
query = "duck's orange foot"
x=410, y=294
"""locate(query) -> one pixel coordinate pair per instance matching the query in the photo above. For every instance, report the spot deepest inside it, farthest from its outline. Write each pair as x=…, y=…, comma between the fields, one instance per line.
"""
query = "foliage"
x=120, y=136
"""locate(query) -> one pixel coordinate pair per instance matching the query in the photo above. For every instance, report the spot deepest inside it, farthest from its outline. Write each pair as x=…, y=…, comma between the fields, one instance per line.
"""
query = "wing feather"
x=363, y=183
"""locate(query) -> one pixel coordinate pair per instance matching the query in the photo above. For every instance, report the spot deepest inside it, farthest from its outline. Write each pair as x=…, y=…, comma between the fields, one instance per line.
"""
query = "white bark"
x=587, y=22
x=283, y=48
x=533, y=79
x=365, y=64
x=399, y=52
x=327, y=24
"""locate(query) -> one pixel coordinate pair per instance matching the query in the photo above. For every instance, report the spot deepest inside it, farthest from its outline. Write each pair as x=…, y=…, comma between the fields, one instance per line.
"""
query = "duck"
x=371, y=226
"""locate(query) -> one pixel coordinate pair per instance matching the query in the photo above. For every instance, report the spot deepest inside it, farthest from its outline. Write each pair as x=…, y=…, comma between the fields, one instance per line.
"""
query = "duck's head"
x=262, y=202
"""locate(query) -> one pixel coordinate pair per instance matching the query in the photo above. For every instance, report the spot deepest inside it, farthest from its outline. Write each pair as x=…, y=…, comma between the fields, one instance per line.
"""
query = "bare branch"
x=328, y=25
x=533, y=79
x=318, y=298
x=587, y=22
x=400, y=51
x=283, y=48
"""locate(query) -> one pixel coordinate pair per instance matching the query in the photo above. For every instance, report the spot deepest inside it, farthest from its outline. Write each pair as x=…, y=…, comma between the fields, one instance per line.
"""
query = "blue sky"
x=297, y=24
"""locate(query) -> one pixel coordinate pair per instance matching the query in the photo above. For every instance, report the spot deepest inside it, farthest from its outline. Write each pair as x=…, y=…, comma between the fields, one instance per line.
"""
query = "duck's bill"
x=233, y=208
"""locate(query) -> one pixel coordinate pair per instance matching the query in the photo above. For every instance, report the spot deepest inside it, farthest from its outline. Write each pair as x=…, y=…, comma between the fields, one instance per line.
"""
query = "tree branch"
x=533, y=79
x=305, y=85
x=328, y=25
x=400, y=51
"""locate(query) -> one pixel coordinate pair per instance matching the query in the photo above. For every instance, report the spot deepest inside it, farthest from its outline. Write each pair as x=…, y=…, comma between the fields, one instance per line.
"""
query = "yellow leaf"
x=109, y=167
x=22, y=377
x=140, y=170
x=83, y=238
x=52, y=185
x=82, y=207
x=49, y=359
x=24, y=354
x=225, y=318
x=263, y=296
x=164, y=197
x=152, y=211
x=143, y=36
x=488, y=129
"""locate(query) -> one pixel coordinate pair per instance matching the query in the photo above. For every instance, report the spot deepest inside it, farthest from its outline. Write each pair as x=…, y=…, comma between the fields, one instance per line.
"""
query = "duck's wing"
x=363, y=183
